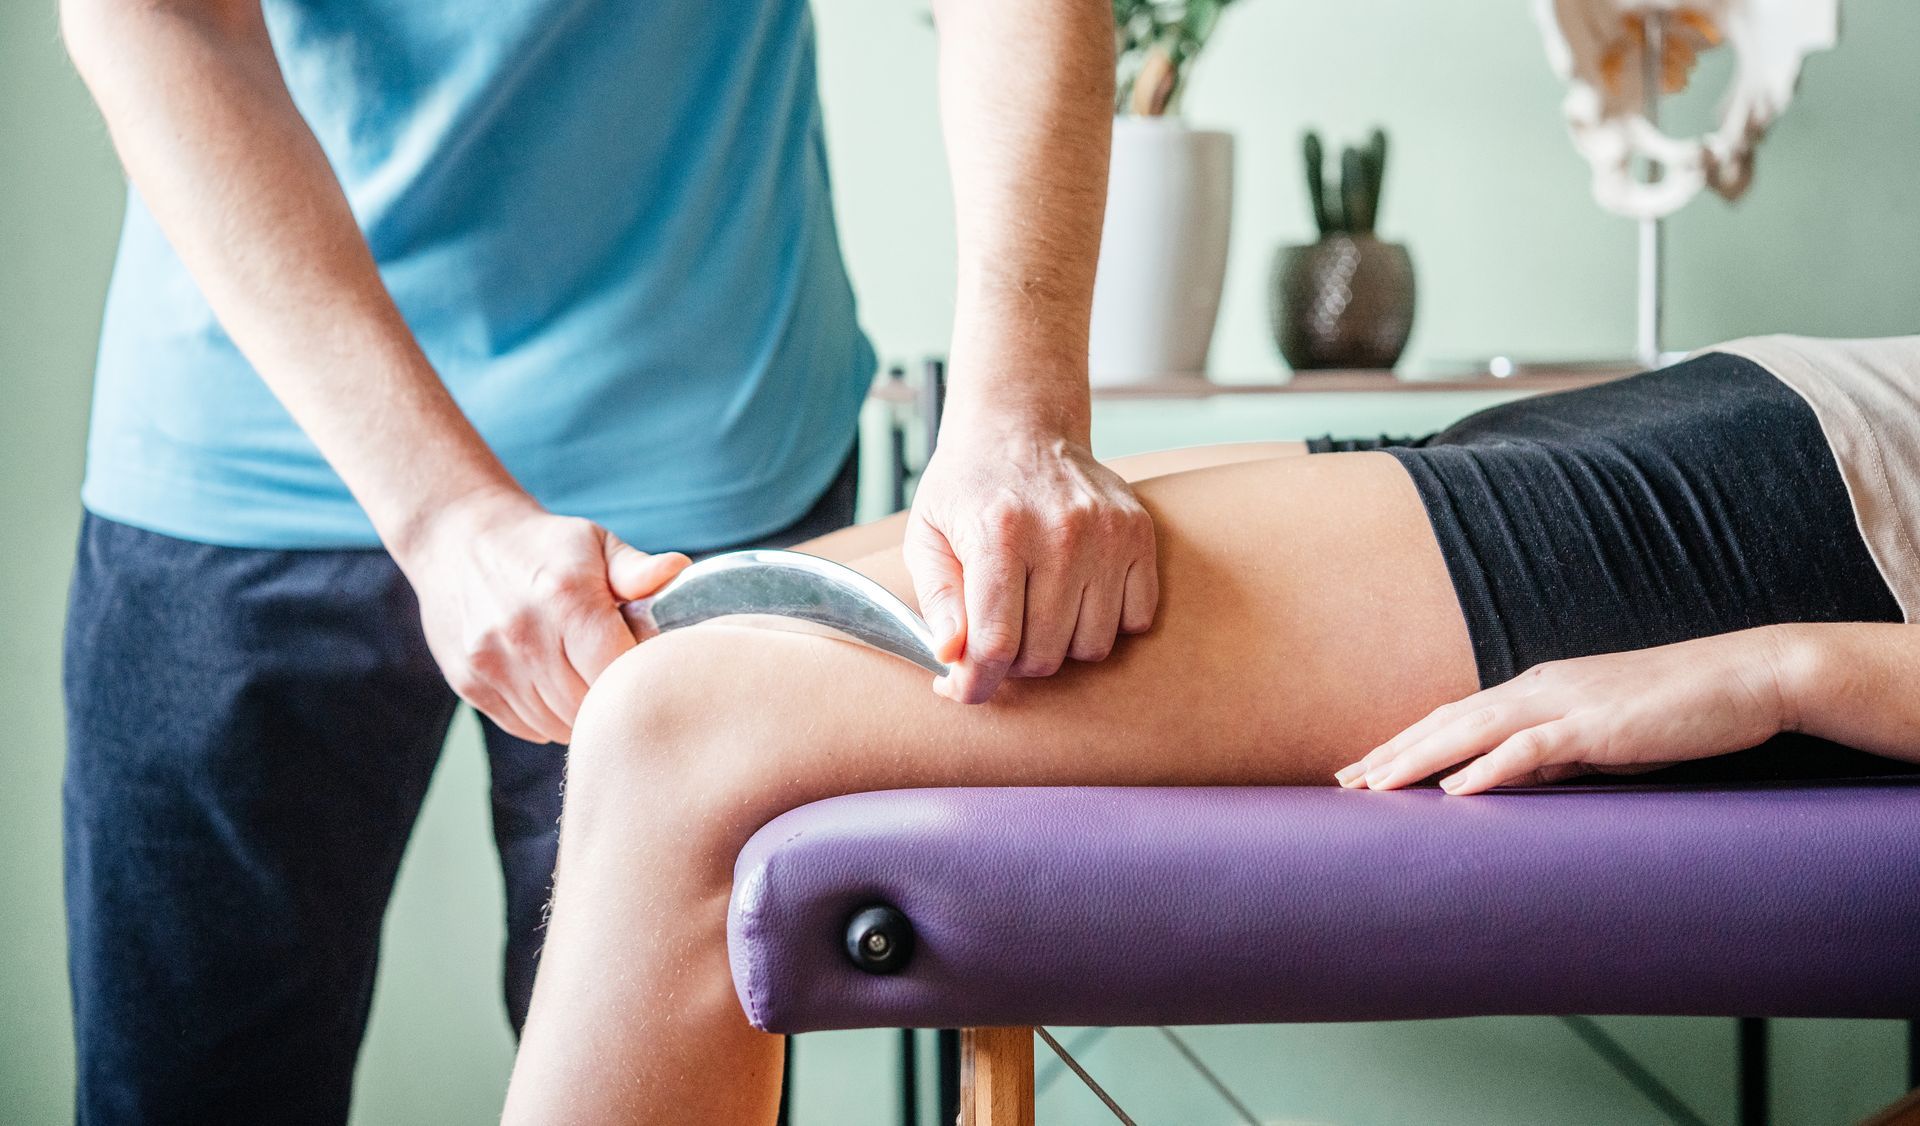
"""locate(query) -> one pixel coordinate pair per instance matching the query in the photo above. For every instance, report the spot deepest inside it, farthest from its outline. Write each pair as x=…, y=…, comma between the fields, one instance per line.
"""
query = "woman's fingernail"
x=1345, y=774
x=1376, y=777
x=1451, y=784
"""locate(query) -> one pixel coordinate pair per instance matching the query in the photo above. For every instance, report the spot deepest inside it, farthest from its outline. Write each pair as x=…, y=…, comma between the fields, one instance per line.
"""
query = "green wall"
x=1512, y=258
x=1483, y=184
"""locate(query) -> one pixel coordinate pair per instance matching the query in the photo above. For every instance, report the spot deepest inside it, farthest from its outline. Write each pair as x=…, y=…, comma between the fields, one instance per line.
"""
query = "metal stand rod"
x=1647, y=346
x=1633, y=1071
x=1756, y=1107
x=1651, y=299
x=1073, y=1065
x=933, y=399
x=786, y=1081
x=897, y=468
x=1213, y=1080
x=947, y=1043
x=909, y=1078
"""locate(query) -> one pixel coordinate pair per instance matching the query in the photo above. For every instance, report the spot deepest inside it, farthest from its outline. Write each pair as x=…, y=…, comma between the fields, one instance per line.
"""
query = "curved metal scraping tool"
x=791, y=586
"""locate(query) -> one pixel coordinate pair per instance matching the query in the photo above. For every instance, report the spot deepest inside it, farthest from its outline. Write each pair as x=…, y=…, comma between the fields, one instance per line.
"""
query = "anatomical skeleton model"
x=1601, y=48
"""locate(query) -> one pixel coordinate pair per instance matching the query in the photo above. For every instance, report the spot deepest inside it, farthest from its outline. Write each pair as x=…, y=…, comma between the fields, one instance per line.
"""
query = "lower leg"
x=525, y=799
x=1305, y=615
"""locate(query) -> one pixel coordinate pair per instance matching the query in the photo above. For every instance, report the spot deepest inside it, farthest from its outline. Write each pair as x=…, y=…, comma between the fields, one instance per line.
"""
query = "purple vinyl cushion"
x=1130, y=906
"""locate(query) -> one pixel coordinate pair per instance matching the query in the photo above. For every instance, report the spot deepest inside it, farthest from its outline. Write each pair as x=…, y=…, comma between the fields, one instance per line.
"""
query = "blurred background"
x=1512, y=257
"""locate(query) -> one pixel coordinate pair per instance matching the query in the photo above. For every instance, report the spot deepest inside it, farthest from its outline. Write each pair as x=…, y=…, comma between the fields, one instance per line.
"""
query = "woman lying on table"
x=1736, y=534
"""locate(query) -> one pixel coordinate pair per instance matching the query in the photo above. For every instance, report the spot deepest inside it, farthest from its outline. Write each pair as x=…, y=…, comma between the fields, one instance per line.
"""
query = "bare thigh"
x=1306, y=615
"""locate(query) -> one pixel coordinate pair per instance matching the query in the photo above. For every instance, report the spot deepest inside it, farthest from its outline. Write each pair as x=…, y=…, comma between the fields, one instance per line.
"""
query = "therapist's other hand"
x=521, y=607
x=1025, y=551
x=1618, y=713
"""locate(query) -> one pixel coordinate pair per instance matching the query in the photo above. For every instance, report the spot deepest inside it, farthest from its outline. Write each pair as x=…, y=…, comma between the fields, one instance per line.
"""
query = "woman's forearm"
x=203, y=121
x=1851, y=683
x=1855, y=683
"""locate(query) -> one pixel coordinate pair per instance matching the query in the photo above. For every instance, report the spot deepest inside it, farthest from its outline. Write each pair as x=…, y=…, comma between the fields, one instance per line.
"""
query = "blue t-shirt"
x=607, y=222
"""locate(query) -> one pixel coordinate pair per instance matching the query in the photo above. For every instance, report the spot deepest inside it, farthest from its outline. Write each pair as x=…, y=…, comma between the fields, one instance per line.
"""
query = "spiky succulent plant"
x=1351, y=204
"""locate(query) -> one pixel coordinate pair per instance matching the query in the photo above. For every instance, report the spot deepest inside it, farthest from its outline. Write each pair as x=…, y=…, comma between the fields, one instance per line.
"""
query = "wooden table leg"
x=996, y=1077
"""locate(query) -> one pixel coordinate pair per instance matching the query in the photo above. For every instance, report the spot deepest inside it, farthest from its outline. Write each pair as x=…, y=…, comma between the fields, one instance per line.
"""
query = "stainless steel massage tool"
x=789, y=587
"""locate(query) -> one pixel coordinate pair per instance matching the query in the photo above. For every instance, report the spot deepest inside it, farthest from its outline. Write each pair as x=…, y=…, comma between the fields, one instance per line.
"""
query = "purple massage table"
x=998, y=910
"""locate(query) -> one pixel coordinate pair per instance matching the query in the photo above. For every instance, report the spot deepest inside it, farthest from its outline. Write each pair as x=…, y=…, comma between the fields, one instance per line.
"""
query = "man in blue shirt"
x=423, y=314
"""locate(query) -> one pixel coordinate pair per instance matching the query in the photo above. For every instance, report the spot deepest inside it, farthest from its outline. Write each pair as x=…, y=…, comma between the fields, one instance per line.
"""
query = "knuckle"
x=994, y=649
x=1069, y=535
x=551, y=584
x=1082, y=513
x=1146, y=555
x=486, y=656
x=1037, y=664
x=1003, y=522
x=1091, y=651
x=520, y=628
x=1531, y=746
x=1109, y=525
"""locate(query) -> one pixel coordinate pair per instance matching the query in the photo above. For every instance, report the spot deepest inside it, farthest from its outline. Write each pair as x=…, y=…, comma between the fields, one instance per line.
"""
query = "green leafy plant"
x=1351, y=204
x=1156, y=42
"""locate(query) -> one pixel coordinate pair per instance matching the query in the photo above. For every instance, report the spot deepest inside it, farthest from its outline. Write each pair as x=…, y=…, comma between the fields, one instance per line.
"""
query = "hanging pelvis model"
x=1600, y=48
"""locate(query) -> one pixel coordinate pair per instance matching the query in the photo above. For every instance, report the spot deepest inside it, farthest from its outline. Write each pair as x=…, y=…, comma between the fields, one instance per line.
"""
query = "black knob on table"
x=879, y=939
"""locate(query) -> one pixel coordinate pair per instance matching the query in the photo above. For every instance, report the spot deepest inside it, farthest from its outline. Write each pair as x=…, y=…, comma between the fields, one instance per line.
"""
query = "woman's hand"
x=1619, y=712
x=522, y=607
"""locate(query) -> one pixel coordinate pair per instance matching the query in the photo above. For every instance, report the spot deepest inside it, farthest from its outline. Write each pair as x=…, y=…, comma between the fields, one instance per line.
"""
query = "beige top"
x=1866, y=394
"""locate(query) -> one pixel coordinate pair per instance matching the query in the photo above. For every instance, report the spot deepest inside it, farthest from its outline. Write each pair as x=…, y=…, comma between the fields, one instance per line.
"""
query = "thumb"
x=632, y=573
x=937, y=583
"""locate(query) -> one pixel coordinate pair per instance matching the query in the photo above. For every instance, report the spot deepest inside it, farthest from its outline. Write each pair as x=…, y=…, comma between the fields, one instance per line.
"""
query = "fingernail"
x=1375, y=777
x=1346, y=774
x=1451, y=783
x=946, y=629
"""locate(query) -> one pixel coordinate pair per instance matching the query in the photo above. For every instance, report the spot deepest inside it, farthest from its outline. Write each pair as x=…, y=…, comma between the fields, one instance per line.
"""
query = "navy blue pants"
x=250, y=735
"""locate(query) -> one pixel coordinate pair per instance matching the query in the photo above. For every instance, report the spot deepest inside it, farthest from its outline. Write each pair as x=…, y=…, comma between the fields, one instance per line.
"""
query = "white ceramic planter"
x=1164, y=252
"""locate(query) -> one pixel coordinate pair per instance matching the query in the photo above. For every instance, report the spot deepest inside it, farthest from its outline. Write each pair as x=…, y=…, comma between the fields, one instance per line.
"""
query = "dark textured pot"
x=1343, y=302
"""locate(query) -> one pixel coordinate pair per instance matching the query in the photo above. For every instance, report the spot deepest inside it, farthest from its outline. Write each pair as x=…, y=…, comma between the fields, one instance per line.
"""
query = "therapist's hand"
x=1618, y=713
x=521, y=607
x=1025, y=551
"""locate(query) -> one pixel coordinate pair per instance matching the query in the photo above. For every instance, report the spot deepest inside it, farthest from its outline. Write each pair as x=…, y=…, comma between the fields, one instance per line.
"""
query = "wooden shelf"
x=1532, y=380
x=1365, y=382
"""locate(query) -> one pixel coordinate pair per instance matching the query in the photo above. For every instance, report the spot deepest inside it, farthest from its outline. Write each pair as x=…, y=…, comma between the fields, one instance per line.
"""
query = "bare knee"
x=678, y=734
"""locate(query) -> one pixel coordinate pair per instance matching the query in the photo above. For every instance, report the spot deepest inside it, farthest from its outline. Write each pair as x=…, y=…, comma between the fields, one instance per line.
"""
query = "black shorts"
x=1695, y=500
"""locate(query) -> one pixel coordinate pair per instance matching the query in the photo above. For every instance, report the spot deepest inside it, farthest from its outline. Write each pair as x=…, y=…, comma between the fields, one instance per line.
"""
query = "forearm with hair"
x=1026, y=99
